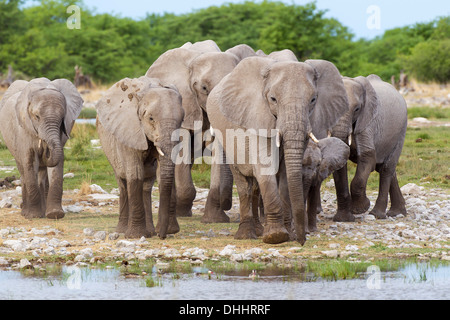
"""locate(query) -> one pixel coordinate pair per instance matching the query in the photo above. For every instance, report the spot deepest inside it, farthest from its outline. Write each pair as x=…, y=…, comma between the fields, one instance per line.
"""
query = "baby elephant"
x=135, y=122
x=36, y=119
x=320, y=161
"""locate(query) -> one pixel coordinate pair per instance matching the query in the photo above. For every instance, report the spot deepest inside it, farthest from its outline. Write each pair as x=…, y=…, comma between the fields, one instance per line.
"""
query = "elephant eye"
x=313, y=100
x=151, y=119
x=273, y=99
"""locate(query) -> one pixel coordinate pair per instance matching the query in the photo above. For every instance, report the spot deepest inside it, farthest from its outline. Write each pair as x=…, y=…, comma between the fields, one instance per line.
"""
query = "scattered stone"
x=25, y=264
x=100, y=235
x=69, y=176
x=113, y=236
x=88, y=232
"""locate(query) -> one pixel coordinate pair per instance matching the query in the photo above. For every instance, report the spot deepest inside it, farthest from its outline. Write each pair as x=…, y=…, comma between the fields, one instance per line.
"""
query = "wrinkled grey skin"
x=195, y=69
x=319, y=162
x=378, y=133
x=262, y=93
x=136, y=119
x=36, y=119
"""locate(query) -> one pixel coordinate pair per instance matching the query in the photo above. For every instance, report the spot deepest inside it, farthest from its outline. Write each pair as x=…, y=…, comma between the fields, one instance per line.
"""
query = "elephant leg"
x=366, y=164
x=379, y=210
x=31, y=193
x=286, y=202
x=136, y=219
x=274, y=231
x=247, y=229
x=213, y=211
x=147, y=195
x=122, y=226
x=397, y=200
x=344, y=200
x=313, y=203
x=255, y=209
x=55, y=191
x=174, y=227
x=185, y=190
x=43, y=186
x=226, y=187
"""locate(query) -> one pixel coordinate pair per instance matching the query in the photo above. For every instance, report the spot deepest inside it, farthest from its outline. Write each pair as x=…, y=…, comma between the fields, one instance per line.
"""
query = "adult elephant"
x=379, y=122
x=195, y=69
x=258, y=96
x=36, y=119
x=135, y=123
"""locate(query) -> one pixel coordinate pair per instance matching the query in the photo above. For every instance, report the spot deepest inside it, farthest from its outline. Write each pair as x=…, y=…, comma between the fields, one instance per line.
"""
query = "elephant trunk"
x=167, y=178
x=50, y=143
x=343, y=129
x=294, y=139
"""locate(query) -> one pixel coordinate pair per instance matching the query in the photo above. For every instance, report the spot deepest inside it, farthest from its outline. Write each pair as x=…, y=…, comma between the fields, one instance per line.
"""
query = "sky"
x=365, y=18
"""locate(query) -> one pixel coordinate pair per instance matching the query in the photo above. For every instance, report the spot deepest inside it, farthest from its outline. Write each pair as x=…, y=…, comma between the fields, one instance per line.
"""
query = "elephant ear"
x=117, y=111
x=24, y=100
x=243, y=102
x=15, y=88
x=74, y=102
x=332, y=102
x=335, y=154
x=173, y=67
x=369, y=108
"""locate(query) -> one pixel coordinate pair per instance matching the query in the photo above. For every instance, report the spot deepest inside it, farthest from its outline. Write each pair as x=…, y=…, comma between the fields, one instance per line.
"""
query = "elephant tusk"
x=313, y=138
x=211, y=130
x=349, y=140
x=40, y=143
x=329, y=134
x=160, y=152
x=278, y=139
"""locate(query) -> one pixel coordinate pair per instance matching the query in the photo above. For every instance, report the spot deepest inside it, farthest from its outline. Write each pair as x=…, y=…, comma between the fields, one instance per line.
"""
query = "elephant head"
x=332, y=113
x=48, y=110
x=207, y=70
x=173, y=67
x=242, y=51
x=143, y=114
x=363, y=103
x=262, y=93
x=322, y=159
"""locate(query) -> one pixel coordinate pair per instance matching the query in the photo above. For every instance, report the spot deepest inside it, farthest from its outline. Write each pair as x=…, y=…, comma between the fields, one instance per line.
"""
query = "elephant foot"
x=137, y=232
x=344, y=216
x=214, y=214
x=226, y=204
x=393, y=212
x=246, y=231
x=379, y=214
x=174, y=227
x=291, y=230
x=34, y=213
x=360, y=205
x=55, y=214
x=259, y=228
x=122, y=226
x=275, y=233
x=311, y=229
x=184, y=210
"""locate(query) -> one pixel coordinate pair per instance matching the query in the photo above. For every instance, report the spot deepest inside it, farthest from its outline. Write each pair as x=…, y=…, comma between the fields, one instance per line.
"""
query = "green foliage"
x=36, y=41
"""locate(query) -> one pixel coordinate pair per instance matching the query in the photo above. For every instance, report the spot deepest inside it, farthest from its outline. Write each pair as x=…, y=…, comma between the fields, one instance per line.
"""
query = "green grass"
x=437, y=113
x=88, y=113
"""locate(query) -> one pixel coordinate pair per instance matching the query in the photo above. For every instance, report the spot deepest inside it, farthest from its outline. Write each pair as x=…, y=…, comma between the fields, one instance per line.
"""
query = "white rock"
x=331, y=253
x=24, y=263
x=97, y=189
x=228, y=250
x=88, y=232
x=16, y=245
x=411, y=189
x=3, y=262
x=87, y=253
x=69, y=176
x=100, y=235
x=6, y=203
x=73, y=209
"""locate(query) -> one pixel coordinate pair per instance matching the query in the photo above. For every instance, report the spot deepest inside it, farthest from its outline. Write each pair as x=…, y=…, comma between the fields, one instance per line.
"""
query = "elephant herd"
x=275, y=126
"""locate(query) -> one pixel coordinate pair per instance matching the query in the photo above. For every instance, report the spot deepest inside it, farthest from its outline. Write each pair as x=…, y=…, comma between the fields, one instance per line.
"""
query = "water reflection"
x=420, y=281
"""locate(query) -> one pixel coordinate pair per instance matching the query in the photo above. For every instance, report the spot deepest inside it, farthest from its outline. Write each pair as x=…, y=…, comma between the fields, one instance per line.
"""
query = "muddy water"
x=412, y=282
